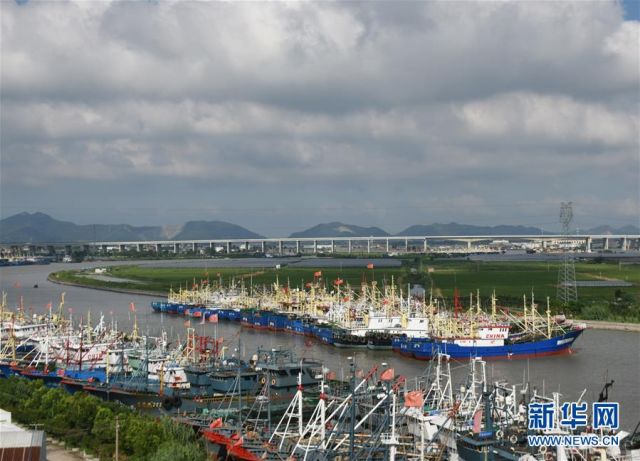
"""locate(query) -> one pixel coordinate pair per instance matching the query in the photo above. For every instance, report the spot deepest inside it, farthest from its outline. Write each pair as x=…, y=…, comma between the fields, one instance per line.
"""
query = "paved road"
x=600, y=325
x=58, y=453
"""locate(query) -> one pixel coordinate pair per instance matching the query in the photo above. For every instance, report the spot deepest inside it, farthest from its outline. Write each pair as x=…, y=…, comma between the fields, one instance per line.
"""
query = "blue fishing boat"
x=246, y=317
x=510, y=348
x=261, y=320
x=277, y=321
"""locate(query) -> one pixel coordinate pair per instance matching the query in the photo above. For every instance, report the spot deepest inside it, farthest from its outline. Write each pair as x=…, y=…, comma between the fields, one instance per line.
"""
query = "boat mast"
x=352, y=419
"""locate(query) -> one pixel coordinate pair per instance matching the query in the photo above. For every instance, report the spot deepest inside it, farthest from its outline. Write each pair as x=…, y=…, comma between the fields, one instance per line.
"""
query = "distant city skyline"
x=280, y=116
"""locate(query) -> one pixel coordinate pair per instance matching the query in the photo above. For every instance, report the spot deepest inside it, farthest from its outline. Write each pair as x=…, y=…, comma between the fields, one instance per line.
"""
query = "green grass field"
x=510, y=280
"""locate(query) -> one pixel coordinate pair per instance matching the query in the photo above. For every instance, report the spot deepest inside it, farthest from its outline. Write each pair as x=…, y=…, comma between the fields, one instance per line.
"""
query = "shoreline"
x=607, y=325
x=591, y=324
x=114, y=290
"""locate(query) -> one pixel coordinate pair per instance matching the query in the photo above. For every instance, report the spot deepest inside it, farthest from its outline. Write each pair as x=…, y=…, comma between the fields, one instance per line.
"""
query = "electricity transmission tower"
x=567, y=288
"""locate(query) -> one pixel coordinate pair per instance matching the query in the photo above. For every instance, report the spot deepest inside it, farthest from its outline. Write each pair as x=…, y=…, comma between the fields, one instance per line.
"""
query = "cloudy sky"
x=278, y=116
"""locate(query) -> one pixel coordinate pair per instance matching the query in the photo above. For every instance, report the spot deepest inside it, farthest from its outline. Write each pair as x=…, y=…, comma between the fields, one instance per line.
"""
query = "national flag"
x=132, y=307
x=213, y=318
x=387, y=375
x=413, y=399
x=370, y=266
x=216, y=423
x=317, y=274
x=477, y=421
x=338, y=282
x=238, y=442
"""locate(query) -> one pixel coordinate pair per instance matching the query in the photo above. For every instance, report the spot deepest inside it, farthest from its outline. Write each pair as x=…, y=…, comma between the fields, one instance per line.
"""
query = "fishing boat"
x=479, y=335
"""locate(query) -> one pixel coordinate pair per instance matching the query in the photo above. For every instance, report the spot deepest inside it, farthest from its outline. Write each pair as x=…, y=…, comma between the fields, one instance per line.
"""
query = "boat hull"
x=427, y=349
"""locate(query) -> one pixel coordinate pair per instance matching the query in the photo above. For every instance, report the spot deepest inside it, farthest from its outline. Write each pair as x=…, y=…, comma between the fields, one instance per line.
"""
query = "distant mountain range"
x=39, y=227
x=338, y=229
x=465, y=229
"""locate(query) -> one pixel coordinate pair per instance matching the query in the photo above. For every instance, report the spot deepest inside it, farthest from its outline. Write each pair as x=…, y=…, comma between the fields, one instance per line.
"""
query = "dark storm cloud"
x=382, y=109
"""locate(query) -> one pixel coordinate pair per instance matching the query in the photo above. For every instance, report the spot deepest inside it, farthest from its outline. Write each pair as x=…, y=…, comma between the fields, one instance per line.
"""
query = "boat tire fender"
x=167, y=403
x=273, y=381
x=263, y=380
x=499, y=434
x=513, y=438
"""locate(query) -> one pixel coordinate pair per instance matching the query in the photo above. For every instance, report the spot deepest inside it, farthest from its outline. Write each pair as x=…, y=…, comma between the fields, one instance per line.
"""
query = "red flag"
x=317, y=274
x=132, y=307
x=237, y=443
x=216, y=423
x=338, y=282
x=345, y=299
x=370, y=266
x=413, y=399
x=49, y=306
x=213, y=318
x=387, y=375
x=477, y=421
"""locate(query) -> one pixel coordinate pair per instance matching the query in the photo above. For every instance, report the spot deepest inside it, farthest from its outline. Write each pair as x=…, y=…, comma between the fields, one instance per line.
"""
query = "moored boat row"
x=411, y=327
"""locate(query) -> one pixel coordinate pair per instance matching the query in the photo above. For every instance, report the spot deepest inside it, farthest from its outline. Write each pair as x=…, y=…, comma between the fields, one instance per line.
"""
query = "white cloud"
x=534, y=119
x=396, y=100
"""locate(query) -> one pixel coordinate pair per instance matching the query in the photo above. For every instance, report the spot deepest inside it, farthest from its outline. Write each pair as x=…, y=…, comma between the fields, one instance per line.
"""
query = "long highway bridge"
x=314, y=245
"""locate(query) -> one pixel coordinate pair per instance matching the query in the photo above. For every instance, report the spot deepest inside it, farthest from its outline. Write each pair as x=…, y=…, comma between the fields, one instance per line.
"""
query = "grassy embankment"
x=510, y=280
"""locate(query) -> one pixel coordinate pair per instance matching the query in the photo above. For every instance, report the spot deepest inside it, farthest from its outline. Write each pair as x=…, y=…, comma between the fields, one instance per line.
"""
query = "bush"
x=595, y=312
x=87, y=422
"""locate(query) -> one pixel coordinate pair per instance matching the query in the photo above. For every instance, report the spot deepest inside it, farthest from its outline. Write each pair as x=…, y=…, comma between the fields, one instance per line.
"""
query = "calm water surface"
x=599, y=354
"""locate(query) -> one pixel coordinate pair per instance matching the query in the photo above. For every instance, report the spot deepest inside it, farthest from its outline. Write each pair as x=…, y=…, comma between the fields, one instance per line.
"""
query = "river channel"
x=599, y=355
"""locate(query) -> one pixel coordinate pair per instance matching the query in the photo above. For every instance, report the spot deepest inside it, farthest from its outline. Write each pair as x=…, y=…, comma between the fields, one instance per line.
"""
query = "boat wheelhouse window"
x=295, y=371
x=282, y=372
